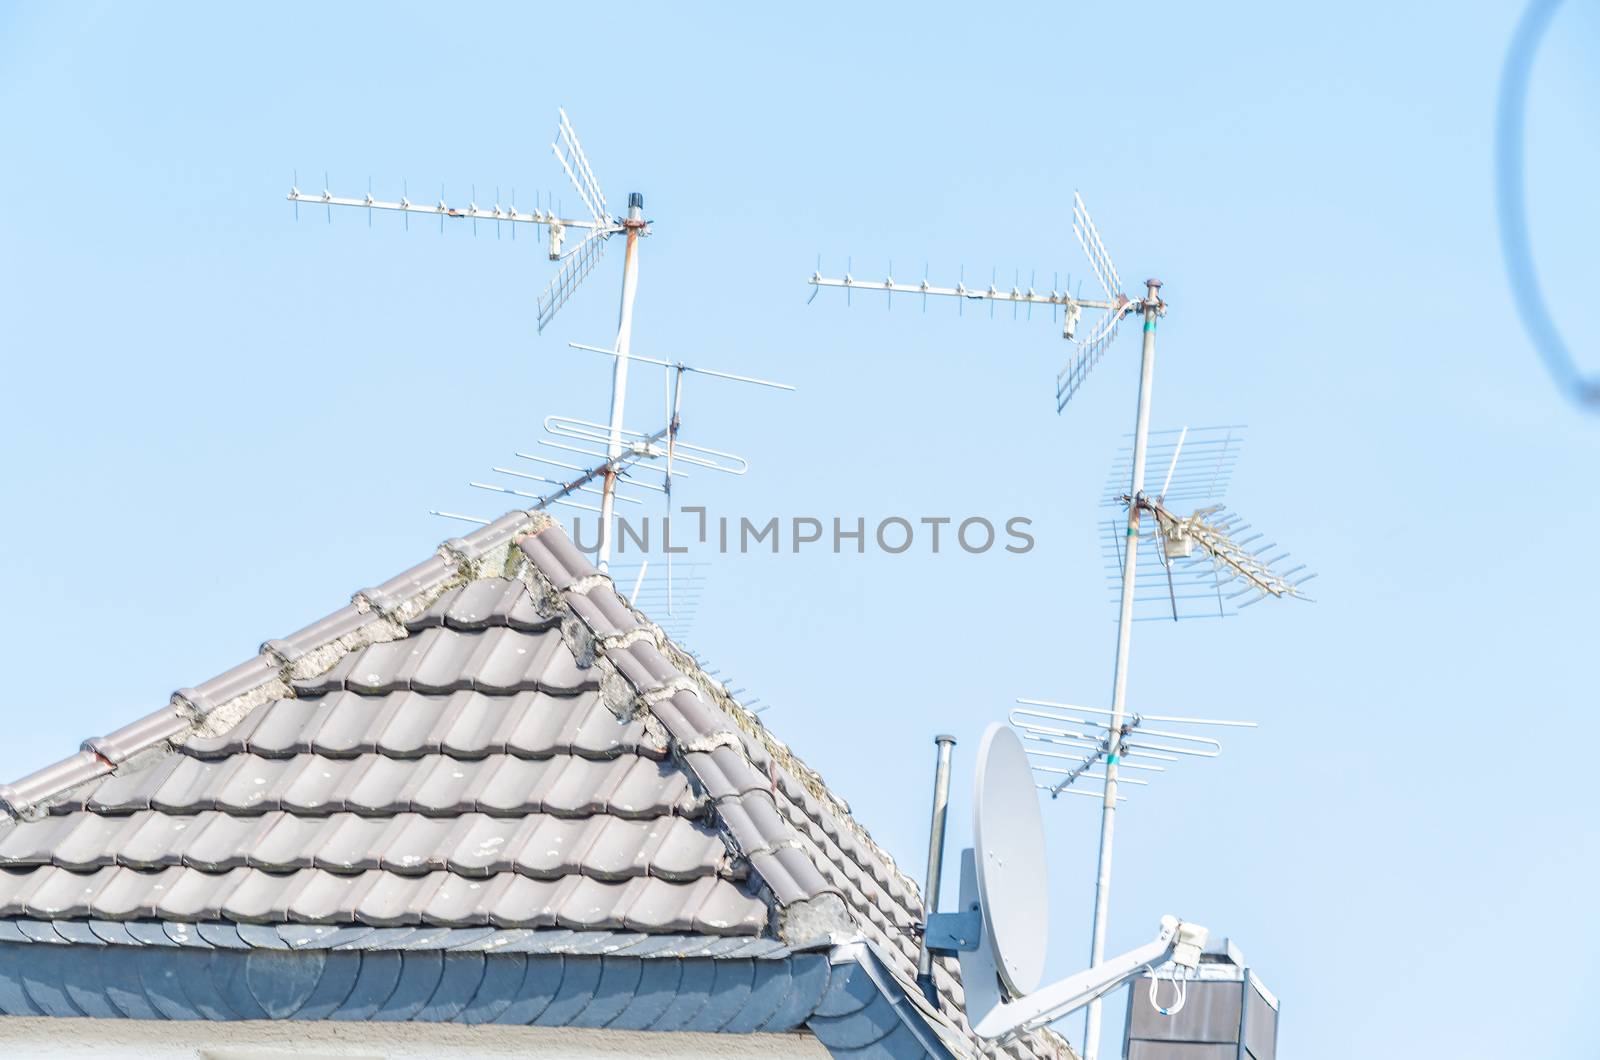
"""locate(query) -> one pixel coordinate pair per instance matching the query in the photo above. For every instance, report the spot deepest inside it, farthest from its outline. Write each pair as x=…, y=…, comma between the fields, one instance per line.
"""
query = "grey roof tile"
x=601, y=904
x=404, y=726
x=393, y=900
x=216, y=842
x=423, y=578
x=556, y=557
x=413, y=844
x=327, y=897
x=129, y=789
x=685, y=849
x=349, y=843
x=523, y=902
x=85, y=844
x=115, y=747
x=616, y=611
x=343, y=725
x=330, y=680
x=209, y=695
x=67, y=773
x=251, y=787
x=777, y=876
x=282, y=728
x=15, y=886
x=499, y=659
x=126, y=895
x=373, y=783
x=256, y=897
x=318, y=785
x=33, y=842
x=283, y=842
x=599, y=621
x=508, y=786
x=458, y=901
x=190, y=895
x=487, y=538
x=484, y=603
x=549, y=848
x=192, y=784
x=62, y=894
x=469, y=725
x=444, y=786
x=341, y=623
x=481, y=845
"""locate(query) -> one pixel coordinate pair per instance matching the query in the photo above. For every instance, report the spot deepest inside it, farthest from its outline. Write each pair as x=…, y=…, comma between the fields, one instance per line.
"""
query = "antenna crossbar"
x=1022, y=296
x=469, y=212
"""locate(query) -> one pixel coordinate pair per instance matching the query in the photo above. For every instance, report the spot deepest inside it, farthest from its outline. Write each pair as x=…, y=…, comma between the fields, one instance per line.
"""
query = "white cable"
x=1180, y=993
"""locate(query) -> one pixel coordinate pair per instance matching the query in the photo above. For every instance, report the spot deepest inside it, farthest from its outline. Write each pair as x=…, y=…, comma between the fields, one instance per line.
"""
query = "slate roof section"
x=493, y=740
x=217, y=971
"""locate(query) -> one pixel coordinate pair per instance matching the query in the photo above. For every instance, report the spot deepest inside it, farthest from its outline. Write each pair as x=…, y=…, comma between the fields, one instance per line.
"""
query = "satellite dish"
x=999, y=934
x=1008, y=832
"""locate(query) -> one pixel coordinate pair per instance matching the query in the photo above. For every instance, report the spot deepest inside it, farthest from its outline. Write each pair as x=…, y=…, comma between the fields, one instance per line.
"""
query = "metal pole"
x=619, y=373
x=930, y=889
x=1119, y=687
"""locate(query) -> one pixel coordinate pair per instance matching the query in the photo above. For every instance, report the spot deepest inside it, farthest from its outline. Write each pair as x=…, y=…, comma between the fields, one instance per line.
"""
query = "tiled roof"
x=492, y=739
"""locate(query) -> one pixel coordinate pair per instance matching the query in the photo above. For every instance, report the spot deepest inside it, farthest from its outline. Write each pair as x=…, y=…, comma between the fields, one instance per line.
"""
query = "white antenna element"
x=1069, y=745
x=577, y=263
x=1207, y=564
x=674, y=450
x=612, y=451
x=1116, y=305
x=999, y=934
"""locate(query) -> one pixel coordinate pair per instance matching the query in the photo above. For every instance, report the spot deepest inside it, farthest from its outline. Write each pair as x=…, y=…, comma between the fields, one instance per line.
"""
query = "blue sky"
x=219, y=423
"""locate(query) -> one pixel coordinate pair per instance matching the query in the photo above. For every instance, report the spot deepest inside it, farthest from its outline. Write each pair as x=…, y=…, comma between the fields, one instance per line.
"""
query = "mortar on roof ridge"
x=385, y=626
x=710, y=742
x=672, y=686
x=627, y=638
x=230, y=712
x=589, y=582
x=786, y=759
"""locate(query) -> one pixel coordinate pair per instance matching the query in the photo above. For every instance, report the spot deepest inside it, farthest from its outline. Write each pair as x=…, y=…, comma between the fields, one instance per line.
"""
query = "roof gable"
x=493, y=738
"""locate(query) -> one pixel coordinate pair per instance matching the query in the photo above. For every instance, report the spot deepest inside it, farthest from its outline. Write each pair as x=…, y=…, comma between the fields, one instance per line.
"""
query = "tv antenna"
x=1071, y=741
x=610, y=453
x=1209, y=563
x=1183, y=535
x=576, y=264
x=596, y=224
x=1113, y=308
x=999, y=935
x=623, y=449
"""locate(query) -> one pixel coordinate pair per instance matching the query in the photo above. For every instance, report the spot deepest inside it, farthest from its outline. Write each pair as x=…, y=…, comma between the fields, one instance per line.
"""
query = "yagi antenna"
x=596, y=226
x=611, y=454
x=1114, y=307
x=1207, y=563
x=999, y=935
x=575, y=265
x=1066, y=743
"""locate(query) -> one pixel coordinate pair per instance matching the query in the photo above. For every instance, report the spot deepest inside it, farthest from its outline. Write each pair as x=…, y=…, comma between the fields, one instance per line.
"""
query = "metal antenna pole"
x=1119, y=688
x=930, y=890
x=619, y=375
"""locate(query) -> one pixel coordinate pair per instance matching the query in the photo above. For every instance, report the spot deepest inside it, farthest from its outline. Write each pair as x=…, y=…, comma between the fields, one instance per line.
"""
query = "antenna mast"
x=1115, y=306
x=634, y=226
